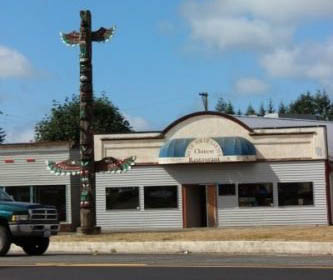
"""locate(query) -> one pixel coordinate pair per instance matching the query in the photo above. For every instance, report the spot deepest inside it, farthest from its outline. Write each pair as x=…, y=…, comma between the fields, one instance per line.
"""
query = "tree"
x=230, y=109
x=282, y=108
x=304, y=104
x=2, y=135
x=221, y=105
x=270, y=107
x=239, y=112
x=262, y=110
x=250, y=110
x=63, y=122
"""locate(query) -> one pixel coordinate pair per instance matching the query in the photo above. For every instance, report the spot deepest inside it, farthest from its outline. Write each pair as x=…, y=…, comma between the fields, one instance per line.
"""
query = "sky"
x=164, y=53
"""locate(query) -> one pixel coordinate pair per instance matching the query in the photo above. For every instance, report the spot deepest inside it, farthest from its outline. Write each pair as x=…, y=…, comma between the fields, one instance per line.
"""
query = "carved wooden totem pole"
x=86, y=168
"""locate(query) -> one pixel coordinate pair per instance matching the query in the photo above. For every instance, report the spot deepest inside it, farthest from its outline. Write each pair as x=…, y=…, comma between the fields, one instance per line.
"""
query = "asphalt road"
x=100, y=267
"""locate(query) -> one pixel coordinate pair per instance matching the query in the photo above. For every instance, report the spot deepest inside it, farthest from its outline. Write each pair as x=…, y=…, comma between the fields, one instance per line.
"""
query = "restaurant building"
x=209, y=169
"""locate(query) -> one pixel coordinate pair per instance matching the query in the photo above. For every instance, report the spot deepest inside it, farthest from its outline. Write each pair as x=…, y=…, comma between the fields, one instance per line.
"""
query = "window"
x=227, y=189
x=295, y=194
x=160, y=197
x=254, y=195
x=20, y=193
x=122, y=198
x=52, y=195
x=46, y=195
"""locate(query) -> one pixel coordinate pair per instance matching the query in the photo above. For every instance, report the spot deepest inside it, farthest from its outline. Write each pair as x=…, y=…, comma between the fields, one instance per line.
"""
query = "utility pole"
x=84, y=39
x=204, y=96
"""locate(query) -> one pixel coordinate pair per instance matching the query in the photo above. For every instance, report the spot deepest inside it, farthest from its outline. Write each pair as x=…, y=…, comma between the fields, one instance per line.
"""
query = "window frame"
x=296, y=205
x=138, y=208
x=160, y=208
x=272, y=205
x=219, y=186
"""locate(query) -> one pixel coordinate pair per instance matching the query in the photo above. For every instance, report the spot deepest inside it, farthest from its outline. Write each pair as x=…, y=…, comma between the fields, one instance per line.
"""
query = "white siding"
x=23, y=173
x=274, y=172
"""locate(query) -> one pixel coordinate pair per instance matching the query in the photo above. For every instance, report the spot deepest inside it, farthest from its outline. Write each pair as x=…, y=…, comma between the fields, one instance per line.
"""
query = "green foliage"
x=319, y=105
x=224, y=107
x=250, y=110
x=282, y=108
x=63, y=122
x=2, y=135
x=221, y=105
x=262, y=110
x=270, y=107
x=230, y=109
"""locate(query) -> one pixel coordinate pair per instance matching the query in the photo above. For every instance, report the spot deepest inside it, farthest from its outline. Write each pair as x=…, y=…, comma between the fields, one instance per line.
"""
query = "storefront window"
x=254, y=195
x=295, y=194
x=46, y=195
x=22, y=194
x=52, y=195
x=227, y=189
x=122, y=198
x=161, y=197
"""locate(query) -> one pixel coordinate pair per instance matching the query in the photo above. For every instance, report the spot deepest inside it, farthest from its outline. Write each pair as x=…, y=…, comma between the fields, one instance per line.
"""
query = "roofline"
x=284, y=127
x=207, y=113
x=36, y=144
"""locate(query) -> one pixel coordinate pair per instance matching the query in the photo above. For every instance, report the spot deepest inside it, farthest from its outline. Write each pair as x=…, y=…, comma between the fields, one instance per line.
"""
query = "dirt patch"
x=277, y=233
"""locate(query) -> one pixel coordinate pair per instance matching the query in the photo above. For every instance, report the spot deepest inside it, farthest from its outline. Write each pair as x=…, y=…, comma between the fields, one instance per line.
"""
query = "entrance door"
x=199, y=206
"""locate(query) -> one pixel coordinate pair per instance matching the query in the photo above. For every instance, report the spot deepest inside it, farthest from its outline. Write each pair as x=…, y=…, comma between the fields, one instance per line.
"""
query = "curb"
x=176, y=247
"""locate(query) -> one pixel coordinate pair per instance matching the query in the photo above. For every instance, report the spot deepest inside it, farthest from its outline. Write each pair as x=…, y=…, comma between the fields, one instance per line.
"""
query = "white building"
x=209, y=169
x=24, y=176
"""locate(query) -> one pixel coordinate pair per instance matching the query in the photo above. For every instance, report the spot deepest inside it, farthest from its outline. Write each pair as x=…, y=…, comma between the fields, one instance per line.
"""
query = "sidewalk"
x=271, y=240
x=187, y=247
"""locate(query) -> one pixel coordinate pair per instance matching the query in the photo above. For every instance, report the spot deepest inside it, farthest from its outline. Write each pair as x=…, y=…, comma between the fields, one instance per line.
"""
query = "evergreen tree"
x=262, y=110
x=250, y=110
x=239, y=112
x=2, y=135
x=221, y=105
x=230, y=109
x=304, y=104
x=270, y=107
x=282, y=108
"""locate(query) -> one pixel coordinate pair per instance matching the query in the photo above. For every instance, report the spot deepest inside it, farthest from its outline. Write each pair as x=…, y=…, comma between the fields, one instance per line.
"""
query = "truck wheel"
x=4, y=240
x=36, y=246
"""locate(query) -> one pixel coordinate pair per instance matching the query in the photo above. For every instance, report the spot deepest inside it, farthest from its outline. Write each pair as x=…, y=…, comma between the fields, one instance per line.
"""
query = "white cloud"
x=251, y=86
x=310, y=61
x=252, y=24
x=138, y=123
x=13, y=64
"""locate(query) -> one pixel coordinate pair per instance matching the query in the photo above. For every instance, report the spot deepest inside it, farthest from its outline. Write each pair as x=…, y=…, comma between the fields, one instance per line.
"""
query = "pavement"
x=188, y=247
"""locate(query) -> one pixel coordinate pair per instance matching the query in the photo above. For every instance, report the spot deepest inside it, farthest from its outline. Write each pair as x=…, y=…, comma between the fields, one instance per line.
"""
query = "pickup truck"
x=26, y=225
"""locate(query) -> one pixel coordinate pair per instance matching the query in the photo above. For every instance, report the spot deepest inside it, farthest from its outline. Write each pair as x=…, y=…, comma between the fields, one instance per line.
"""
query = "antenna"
x=204, y=97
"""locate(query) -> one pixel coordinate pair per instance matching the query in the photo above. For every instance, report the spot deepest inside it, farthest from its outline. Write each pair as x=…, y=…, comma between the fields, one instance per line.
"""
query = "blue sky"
x=163, y=54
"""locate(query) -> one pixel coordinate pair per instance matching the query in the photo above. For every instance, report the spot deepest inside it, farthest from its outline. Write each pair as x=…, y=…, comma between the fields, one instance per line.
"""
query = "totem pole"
x=84, y=39
x=86, y=168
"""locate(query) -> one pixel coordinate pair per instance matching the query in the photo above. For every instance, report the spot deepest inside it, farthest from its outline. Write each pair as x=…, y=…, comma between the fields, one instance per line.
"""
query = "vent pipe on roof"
x=204, y=97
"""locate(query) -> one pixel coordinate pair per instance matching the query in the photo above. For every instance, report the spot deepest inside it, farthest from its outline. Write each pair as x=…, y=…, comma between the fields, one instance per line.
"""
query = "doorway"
x=199, y=206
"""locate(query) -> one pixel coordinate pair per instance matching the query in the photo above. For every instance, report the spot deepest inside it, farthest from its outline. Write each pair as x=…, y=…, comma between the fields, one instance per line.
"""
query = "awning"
x=216, y=149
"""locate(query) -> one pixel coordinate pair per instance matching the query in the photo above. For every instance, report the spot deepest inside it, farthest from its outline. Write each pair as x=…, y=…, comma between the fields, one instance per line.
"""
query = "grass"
x=276, y=233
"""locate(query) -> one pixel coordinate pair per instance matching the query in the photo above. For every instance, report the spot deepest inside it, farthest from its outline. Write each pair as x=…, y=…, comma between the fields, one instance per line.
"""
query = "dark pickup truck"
x=27, y=225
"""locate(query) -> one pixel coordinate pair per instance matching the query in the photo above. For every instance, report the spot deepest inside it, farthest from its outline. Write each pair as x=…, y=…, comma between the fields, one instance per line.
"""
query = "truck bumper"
x=42, y=230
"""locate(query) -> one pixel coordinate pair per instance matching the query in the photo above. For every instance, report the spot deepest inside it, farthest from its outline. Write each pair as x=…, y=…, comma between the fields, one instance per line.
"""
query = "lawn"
x=277, y=233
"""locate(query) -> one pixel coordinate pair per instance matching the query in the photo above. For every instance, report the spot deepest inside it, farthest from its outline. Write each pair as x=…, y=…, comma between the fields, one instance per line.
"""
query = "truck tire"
x=4, y=240
x=36, y=246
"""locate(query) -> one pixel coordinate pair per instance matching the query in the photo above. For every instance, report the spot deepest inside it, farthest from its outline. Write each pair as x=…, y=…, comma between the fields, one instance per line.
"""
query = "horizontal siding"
x=213, y=174
x=23, y=173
